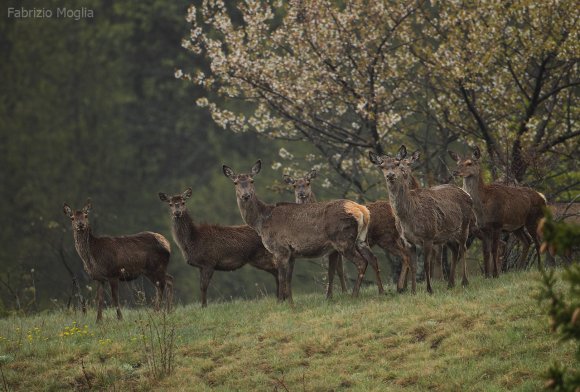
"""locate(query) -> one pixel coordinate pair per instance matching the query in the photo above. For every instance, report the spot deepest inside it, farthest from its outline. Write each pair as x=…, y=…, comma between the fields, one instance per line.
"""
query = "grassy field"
x=491, y=336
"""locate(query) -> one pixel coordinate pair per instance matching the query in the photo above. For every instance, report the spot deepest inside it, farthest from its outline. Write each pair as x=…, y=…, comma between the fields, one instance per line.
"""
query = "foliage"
x=491, y=336
x=505, y=73
x=90, y=107
x=351, y=76
x=158, y=340
x=564, y=309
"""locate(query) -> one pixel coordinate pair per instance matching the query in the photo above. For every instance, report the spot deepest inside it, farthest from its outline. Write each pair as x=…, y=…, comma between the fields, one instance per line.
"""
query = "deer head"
x=176, y=202
x=302, y=188
x=467, y=167
x=245, y=189
x=79, y=218
x=394, y=167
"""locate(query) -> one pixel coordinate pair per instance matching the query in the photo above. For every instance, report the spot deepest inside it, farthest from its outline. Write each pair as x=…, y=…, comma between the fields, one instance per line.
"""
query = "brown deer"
x=290, y=230
x=215, y=247
x=124, y=258
x=427, y=216
x=303, y=194
x=500, y=207
x=382, y=231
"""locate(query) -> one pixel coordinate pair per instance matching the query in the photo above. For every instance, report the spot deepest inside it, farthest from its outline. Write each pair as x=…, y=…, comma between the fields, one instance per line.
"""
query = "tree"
x=322, y=72
x=506, y=73
x=352, y=76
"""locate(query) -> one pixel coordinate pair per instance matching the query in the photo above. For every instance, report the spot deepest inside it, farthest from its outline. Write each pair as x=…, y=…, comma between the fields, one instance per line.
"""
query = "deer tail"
x=362, y=216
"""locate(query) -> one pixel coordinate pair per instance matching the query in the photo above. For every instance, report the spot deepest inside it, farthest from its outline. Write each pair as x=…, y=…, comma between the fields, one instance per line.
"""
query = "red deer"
x=215, y=247
x=123, y=258
x=500, y=207
x=439, y=215
x=303, y=194
x=382, y=231
x=290, y=230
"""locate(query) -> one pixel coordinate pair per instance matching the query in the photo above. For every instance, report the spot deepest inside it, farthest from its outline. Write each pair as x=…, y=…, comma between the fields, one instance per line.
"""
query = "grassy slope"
x=491, y=336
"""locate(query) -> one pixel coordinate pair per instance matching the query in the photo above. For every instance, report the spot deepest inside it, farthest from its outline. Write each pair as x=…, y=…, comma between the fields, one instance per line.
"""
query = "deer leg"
x=159, y=290
x=454, y=256
x=340, y=272
x=333, y=259
x=169, y=288
x=114, y=283
x=289, y=278
x=283, y=261
x=534, y=234
x=100, y=300
x=486, y=247
x=526, y=240
x=494, y=251
x=401, y=251
x=205, y=275
x=370, y=257
x=463, y=259
x=413, y=264
x=427, y=248
x=361, y=265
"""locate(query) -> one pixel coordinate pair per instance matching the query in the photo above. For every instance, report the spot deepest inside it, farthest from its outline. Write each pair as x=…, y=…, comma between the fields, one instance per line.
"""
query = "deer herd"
x=274, y=235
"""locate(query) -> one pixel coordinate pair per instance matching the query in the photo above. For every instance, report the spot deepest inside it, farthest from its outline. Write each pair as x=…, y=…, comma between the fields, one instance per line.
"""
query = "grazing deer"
x=214, y=247
x=382, y=231
x=124, y=258
x=500, y=207
x=427, y=216
x=290, y=230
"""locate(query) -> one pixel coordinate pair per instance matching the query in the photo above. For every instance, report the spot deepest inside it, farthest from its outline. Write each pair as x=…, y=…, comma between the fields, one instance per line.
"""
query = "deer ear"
x=454, y=155
x=402, y=153
x=476, y=152
x=415, y=156
x=187, y=194
x=257, y=167
x=375, y=158
x=311, y=175
x=288, y=180
x=88, y=206
x=67, y=210
x=163, y=197
x=229, y=172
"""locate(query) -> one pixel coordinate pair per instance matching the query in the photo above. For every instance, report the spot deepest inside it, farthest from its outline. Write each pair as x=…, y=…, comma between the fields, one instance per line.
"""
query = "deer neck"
x=475, y=187
x=310, y=199
x=255, y=212
x=184, y=231
x=399, y=196
x=83, y=240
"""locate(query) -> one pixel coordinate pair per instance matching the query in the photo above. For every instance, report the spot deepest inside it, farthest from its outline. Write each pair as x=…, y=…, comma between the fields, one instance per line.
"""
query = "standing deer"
x=427, y=216
x=382, y=231
x=214, y=247
x=500, y=207
x=303, y=194
x=290, y=230
x=124, y=258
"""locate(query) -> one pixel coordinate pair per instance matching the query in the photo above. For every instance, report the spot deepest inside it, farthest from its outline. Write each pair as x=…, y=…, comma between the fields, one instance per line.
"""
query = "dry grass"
x=490, y=336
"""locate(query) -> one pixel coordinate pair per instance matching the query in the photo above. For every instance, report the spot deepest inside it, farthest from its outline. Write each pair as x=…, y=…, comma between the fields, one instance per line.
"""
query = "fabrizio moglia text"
x=48, y=13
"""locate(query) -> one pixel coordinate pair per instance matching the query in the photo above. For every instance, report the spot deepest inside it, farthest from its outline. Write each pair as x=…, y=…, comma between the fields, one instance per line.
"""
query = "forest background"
x=92, y=108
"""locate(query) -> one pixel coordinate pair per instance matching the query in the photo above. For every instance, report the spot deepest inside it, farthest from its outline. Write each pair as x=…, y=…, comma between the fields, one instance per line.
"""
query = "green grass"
x=491, y=336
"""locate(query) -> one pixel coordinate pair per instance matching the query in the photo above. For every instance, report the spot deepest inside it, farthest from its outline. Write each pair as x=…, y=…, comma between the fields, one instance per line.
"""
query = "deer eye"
x=235, y=182
x=251, y=181
x=170, y=204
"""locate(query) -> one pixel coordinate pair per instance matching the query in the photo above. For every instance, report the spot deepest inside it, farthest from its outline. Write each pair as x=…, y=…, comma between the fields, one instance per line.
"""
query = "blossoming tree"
x=352, y=76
